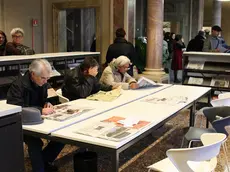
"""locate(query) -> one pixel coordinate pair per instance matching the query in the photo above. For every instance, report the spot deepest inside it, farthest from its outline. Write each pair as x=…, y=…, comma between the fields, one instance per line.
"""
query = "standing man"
x=30, y=90
x=213, y=43
x=121, y=47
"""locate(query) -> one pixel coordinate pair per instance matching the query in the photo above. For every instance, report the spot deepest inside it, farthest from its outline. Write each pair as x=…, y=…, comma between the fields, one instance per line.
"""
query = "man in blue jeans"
x=30, y=90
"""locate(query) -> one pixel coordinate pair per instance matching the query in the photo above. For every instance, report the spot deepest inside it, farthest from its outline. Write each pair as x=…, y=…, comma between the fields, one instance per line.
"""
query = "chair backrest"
x=220, y=125
x=62, y=99
x=211, y=148
x=224, y=95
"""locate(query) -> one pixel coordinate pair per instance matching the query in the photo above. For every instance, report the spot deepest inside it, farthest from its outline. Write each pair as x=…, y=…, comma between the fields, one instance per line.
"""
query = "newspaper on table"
x=215, y=82
x=195, y=65
x=145, y=82
x=195, y=81
x=65, y=111
x=106, y=96
x=167, y=100
x=115, y=128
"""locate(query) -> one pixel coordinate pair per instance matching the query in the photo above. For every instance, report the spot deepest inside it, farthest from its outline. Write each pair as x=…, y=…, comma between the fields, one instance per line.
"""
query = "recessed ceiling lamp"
x=223, y=0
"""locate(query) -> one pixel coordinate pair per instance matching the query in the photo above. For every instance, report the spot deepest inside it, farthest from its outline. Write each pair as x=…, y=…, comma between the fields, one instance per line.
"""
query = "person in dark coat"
x=16, y=47
x=197, y=43
x=81, y=81
x=122, y=47
x=30, y=90
x=3, y=41
x=177, y=56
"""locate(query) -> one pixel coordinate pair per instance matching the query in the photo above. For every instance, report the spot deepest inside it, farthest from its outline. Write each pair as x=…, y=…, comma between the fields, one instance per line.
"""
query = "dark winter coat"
x=77, y=85
x=196, y=44
x=24, y=92
x=121, y=47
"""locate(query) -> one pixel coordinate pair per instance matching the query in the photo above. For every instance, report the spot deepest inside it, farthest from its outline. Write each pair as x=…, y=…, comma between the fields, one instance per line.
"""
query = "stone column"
x=216, y=13
x=154, y=40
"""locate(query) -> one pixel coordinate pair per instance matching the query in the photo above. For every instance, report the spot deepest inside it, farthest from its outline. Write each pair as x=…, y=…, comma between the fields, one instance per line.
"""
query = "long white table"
x=157, y=114
x=7, y=109
x=99, y=107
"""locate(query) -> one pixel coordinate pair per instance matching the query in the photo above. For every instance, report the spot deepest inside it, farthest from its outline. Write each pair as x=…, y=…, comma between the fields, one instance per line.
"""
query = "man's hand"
x=47, y=111
x=133, y=85
x=48, y=105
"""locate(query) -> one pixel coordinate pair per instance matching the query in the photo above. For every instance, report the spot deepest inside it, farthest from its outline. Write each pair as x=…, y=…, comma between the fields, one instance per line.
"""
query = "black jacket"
x=77, y=85
x=121, y=47
x=24, y=92
x=196, y=44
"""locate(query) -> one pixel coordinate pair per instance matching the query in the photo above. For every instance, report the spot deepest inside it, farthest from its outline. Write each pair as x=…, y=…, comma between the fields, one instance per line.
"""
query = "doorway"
x=80, y=29
x=76, y=27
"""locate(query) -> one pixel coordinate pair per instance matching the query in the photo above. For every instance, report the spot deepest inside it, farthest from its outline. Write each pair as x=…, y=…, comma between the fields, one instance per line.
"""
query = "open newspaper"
x=114, y=128
x=195, y=81
x=65, y=111
x=145, y=82
x=219, y=82
x=106, y=96
x=195, y=65
x=174, y=100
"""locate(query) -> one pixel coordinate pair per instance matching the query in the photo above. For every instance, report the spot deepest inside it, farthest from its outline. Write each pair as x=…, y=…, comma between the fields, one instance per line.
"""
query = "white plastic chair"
x=198, y=159
x=62, y=99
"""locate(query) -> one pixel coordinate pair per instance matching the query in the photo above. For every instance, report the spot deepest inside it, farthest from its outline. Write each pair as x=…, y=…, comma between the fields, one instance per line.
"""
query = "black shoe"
x=49, y=167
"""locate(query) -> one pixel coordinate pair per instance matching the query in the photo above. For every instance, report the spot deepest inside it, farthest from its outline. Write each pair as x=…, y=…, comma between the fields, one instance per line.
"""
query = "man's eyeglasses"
x=17, y=36
x=44, y=78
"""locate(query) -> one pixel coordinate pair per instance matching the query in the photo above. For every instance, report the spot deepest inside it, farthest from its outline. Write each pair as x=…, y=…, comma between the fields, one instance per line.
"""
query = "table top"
x=140, y=109
x=99, y=107
x=7, y=109
x=45, y=55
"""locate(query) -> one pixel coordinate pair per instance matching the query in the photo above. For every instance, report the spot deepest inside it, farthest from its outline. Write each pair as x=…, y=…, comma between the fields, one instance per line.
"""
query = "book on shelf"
x=145, y=82
x=195, y=81
x=219, y=83
x=195, y=65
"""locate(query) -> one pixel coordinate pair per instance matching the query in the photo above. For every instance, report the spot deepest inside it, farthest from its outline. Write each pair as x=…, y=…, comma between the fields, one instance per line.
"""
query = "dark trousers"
x=38, y=156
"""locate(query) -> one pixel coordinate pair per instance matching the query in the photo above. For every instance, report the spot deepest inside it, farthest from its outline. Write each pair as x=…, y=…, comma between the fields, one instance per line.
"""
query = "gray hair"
x=17, y=30
x=121, y=61
x=38, y=65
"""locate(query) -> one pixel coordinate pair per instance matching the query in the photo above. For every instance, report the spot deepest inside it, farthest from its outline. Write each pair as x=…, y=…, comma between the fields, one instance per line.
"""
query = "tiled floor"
x=146, y=152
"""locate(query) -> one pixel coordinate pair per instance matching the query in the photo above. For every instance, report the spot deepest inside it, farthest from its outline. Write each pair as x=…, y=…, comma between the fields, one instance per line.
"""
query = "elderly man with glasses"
x=115, y=74
x=30, y=90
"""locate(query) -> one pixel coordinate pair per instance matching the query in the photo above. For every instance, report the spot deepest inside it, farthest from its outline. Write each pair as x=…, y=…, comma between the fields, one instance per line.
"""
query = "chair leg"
x=226, y=157
x=190, y=144
x=182, y=143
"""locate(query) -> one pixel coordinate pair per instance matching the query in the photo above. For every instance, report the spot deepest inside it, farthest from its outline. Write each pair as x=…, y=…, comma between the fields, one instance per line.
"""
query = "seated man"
x=213, y=43
x=30, y=90
x=116, y=74
x=81, y=81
